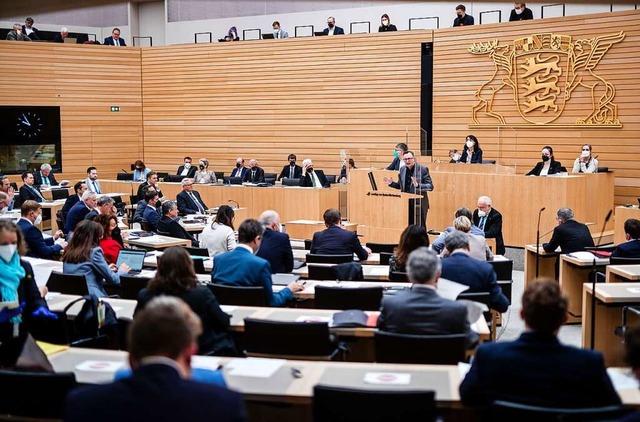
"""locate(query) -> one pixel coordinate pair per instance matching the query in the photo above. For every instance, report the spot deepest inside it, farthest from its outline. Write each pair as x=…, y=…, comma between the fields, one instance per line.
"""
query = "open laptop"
x=133, y=258
x=71, y=40
x=268, y=36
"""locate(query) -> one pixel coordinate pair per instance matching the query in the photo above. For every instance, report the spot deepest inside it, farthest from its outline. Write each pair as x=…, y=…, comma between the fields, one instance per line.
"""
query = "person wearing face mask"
x=111, y=241
x=585, y=163
x=472, y=153
x=462, y=18
x=240, y=169
x=454, y=156
x=400, y=149
x=170, y=226
x=331, y=28
x=386, y=25
x=38, y=247
x=187, y=170
x=279, y=32
x=140, y=172
x=16, y=34
x=311, y=178
x=233, y=34
x=203, y=174
x=520, y=12
x=291, y=170
x=255, y=173
x=489, y=220
x=275, y=246
x=548, y=165
x=17, y=285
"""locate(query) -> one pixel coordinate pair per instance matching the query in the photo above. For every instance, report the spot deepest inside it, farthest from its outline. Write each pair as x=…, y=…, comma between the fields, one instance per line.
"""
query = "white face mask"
x=455, y=157
x=7, y=252
x=585, y=154
x=385, y=22
x=38, y=220
x=481, y=213
x=519, y=11
x=187, y=166
x=469, y=144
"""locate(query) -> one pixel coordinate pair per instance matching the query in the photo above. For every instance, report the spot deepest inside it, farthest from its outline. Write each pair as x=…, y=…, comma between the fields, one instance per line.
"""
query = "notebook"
x=133, y=258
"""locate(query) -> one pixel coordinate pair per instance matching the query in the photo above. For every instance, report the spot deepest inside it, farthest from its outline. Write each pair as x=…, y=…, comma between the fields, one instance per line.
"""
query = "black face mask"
x=330, y=25
x=201, y=167
x=238, y=165
x=139, y=169
x=292, y=163
x=309, y=168
x=115, y=232
x=545, y=158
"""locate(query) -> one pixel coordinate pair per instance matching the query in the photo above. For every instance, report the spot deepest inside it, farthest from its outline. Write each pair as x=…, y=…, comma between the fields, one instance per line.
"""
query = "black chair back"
x=381, y=247
x=69, y=284
x=60, y=220
x=314, y=258
x=162, y=175
x=616, y=260
x=503, y=269
x=503, y=411
x=290, y=182
x=145, y=226
x=300, y=340
x=198, y=266
x=385, y=257
x=20, y=388
x=131, y=286
x=219, y=175
x=59, y=194
x=307, y=244
x=364, y=298
x=124, y=176
x=331, y=178
x=482, y=297
x=321, y=272
x=398, y=277
x=446, y=349
x=197, y=251
x=239, y=296
x=270, y=178
x=339, y=404
x=133, y=199
x=233, y=180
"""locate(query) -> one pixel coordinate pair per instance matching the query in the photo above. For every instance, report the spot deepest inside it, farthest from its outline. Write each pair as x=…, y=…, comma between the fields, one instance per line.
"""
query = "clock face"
x=29, y=125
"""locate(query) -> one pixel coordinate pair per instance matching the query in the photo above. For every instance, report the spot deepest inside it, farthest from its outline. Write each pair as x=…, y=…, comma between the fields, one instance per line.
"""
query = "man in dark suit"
x=189, y=200
x=398, y=154
x=28, y=191
x=537, y=369
x=115, y=39
x=462, y=19
x=570, y=235
x=152, y=180
x=331, y=28
x=520, y=12
x=79, y=211
x=240, y=169
x=45, y=178
x=275, y=246
x=421, y=310
x=334, y=240
x=187, y=170
x=104, y=205
x=38, y=246
x=79, y=188
x=414, y=177
x=29, y=30
x=631, y=248
x=163, y=338
x=150, y=213
x=488, y=219
x=312, y=178
x=255, y=174
x=170, y=225
x=478, y=275
x=240, y=267
x=64, y=33
x=291, y=171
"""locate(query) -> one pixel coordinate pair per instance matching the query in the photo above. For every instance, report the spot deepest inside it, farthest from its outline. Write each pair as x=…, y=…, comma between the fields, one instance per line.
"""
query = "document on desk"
x=387, y=378
x=463, y=369
x=622, y=379
x=255, y=367
x=450, y=289
x=228, y=308
x=205, y=362
x=99, y=366
x=307, y=318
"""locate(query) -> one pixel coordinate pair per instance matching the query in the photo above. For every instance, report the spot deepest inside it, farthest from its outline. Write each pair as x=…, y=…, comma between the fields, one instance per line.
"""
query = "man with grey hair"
x=16, y=34
x=460, y=267
x=420, y=310
x=489, y=220
x=189, y=200
x=162, y=339
x=275, y=246
x=255, y=174
x=79, y=211
x=569, y=235
x=64, y=33
x=104, y=205
x=45, y=178
x=312, y=178
x=169, y=224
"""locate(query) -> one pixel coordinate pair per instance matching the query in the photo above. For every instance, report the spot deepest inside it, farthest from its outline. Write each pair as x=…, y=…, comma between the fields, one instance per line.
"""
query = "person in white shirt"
x=586, y=163
x=220, y=237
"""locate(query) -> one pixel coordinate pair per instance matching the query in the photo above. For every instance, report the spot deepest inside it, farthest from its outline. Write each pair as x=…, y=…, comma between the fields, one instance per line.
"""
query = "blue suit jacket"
x=154, y=392
x=38, y=246
x=395, y=164
x=238, y=172
x=537, y=370
x=151, y=216
x=478, y=275
x=276, y=248
x=69, y=203
x=336, y=31
x=630, y=249
x=240, y=267
x=337, y=241
x=77, y=213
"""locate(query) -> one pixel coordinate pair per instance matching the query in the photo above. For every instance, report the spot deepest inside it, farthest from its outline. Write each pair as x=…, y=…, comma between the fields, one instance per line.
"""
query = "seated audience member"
x=569, y=235
x=386, y=25
x=585, y=163
x=109, y=243
x=203, y=174
x=79, y=188
x=331, y=28
x=176, y=277
x=219, y=237
x=170, y=226
x=343, y=171
x=162, y=339
x=279, y=32
x=16, y=34
x=64, y=33
x=152, y=180
x=312, y=178
x=520, y=12
x=471, y=152
x=412, y=238
x=5, y=202
x=83, y=256
x=240, y=169
x=454, y=157
x=240, y=267
x=548, y=165
x=6, y=188
x=632, y=356
x=28, y=191
x=478, y=247
x=151, y=215
x=398, y=153
x=79, y=211
x=189, y=200
x=45, y=178
x=104, y=205
x=489, y=220
x=478, y=275
x=187, y=170
x=29, y=30
x=142, y=205
x=255, y=173
x=334, y=240
x=438, y=244
x=631, y=248
x=537, y=369
x=92, y=181
x=233, y=34
x=140, y=171
x=275, y=246
x=462, y=18
x=292, y=170
x=38, y=246
x=116, y=41
x=420, y=310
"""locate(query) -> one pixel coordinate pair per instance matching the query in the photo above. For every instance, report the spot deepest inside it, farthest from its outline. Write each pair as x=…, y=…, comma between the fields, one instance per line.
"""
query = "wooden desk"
x=623, y=214
x=301, y=255
x=623, y=273
x=48, y=194
x=371, y=272
x=156, y=242
x=574, y=273
x=304, y=229
x=54, y=206
x=547, y=264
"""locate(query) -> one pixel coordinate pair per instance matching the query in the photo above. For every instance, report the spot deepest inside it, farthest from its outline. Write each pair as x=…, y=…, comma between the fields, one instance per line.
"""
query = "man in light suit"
x=631, y=248
x=187, y=170
x=479, y=276
x=162, y=339
x=189, y=200
x=312, y=178
x=170, y=225
x=291, y=171
x=255, y=174
x=240, y=267
x=38, y=246
x=489, y=220
x=421, y=310
x=115, y=39
x=331, y=28
x=412, y=177
x=398, y=154
x=537, y=369
x=28, y=191
x=275, y=246
x=240, y=169
x=334, y=240
x=279, y=32
x=92, y=180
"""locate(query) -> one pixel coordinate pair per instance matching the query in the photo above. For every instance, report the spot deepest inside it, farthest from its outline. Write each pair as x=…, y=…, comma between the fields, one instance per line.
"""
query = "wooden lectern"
x=381, y=214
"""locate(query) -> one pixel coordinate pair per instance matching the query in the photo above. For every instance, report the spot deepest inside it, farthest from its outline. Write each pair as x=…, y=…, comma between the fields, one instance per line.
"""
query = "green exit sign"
x=115, y=108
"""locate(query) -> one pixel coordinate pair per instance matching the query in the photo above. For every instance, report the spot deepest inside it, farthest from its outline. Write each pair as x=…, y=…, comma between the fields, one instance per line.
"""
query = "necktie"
x=482, y=221
x=313, y=180
x=117, y=43
x=291, y=172
x=95, y=187
x=38, y=193
x=195, y=200
x=253, y=176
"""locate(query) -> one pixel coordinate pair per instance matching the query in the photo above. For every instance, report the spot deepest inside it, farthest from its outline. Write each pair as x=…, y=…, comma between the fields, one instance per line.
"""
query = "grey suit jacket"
x=90, y=186
x=422, y=311
x=424, y=179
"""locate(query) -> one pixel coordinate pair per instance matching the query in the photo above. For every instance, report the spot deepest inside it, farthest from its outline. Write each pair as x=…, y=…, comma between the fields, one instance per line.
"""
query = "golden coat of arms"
x=542, y=71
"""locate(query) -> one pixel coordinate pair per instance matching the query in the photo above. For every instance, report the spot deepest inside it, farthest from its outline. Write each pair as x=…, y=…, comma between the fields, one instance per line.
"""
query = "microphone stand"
x=235, y=202
x=593, y=284
x=538, y=242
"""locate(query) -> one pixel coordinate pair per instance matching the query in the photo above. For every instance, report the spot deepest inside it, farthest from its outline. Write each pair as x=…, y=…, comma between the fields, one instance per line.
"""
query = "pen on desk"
x=296, y=373
x=220, y=368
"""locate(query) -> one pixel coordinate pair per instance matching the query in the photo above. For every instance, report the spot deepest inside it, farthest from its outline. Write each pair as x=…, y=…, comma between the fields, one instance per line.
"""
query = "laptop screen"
x=134, y=259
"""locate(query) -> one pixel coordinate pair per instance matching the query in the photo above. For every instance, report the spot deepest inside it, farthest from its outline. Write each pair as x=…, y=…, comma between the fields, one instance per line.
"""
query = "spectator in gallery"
x=29, y=30
x=386, y=25
x=64, y=33
x=331, y=28
x=471, y=153
x=279, y=32
x=16, y=34
x=115, y=39
x=462, y=19
x=232, y=34
x=520, y=12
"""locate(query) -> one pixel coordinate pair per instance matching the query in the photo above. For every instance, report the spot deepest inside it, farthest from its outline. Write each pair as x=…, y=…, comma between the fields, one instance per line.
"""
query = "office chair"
x=124, y=176
x=381, y=247
x=197, y=251
x=398, y=277
x=131, y=286
x=290, y=182
x=385, y=257
x=50, y=389
x=313, y=258
x=503, y=411
x=59, y=194
x=219, y=175
x=69, y=284
x=363, y=298
x=239, y=296
x=446, y=349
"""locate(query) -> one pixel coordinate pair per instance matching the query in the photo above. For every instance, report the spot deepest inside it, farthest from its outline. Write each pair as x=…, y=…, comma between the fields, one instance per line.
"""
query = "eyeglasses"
x=407, y=159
